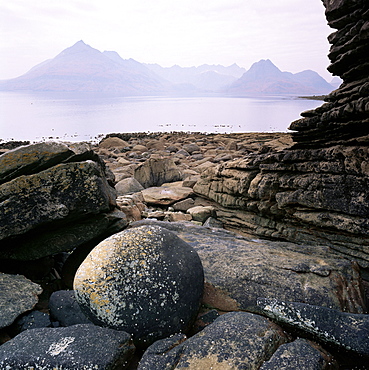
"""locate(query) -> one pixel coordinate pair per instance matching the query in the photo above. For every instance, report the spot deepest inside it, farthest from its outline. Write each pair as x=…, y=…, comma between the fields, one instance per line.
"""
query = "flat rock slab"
x=340, y=329
x=75, y=347
x=236, y=340
x=17, y=295
x=238, y=270
x=164, y=195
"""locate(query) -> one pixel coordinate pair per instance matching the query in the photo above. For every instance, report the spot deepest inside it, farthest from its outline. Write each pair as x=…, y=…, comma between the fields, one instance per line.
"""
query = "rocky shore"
x=197, y=251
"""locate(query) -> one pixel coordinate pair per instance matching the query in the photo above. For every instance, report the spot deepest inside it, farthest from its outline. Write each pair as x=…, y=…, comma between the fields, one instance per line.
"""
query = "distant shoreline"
x=313, y=97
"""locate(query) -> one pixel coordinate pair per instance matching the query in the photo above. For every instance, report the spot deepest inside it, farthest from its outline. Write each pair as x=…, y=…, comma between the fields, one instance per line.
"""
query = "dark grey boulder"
x=33, y=320
x=67, y=190
x=86, y=347
x=127, y=186
x=236, y=340
x=65, y=310
x=190, y=148
x=145, y=281
x=342, y=330
x=17, y=295
x=300, y=355
x=238, y=269
x=45, y=241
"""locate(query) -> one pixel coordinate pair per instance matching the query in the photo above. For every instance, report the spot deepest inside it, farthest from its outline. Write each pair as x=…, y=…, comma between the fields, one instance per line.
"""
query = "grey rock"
x=127, y=186
x=238, y=269
x=138, y=281
x=17, y=295
x=213, y=222
x=340, y=329
x=64, y=191
x=33, y=320
x=190, y=148
x=300, y=354
x=86, y=347
x=201, y=213
x=65, y=309
x=184, y=205
x=48, y=240
x=236, y=340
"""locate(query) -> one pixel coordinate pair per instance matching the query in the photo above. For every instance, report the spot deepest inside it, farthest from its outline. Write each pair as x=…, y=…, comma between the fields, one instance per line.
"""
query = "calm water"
x=72, y=117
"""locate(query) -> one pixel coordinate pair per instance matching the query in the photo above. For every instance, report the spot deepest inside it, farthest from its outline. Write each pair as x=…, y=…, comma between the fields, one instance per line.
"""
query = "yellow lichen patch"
x=209, y=362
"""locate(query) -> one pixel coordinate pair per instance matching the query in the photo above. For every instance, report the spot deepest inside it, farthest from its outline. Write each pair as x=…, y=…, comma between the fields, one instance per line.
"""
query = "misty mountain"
x=82, y=68
x=205, y=77
x=265, y=78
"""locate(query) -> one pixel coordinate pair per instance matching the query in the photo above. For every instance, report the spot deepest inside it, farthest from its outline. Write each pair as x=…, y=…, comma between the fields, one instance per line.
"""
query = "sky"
x=291, y=33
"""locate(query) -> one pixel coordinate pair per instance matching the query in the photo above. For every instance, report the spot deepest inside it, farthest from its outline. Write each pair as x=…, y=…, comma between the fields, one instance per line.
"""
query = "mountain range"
x=81, y=68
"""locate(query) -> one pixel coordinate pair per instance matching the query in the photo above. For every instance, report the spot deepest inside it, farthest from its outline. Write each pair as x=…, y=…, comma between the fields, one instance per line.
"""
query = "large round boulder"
x=144, y=280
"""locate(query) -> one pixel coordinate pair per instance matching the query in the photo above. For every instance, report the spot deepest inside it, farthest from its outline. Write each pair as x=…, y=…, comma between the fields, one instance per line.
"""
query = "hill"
x=84, y=69
x=265, y=78
x=81, y=68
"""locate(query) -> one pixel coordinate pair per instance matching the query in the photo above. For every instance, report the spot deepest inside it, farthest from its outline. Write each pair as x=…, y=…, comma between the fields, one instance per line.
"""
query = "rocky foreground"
x=150, y=304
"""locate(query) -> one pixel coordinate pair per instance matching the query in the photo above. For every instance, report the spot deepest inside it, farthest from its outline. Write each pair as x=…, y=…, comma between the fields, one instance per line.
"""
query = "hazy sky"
x=291, y=33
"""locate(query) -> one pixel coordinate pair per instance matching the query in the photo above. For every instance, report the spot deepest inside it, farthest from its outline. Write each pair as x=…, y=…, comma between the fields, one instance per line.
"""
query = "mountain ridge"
x=81, y=68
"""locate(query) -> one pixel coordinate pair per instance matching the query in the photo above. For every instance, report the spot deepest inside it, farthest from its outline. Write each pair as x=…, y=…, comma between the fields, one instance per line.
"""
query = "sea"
x=90, y=116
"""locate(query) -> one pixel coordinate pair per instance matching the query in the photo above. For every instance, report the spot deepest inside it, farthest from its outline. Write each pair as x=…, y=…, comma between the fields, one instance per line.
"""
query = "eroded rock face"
x=145, y=281
x=316, y=191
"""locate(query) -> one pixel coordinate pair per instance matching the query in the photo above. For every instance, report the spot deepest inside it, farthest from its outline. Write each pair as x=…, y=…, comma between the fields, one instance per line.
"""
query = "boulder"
x=236, y=340
x=65, y=310
x=201, y=213
x=127, y=186
x=65, y=190
x=300, y=354
x=132, y=205
x=157, y=171
x=166, y=195
x=75, y=347
x=347, y=331
x=17, y=295
x=138, y=280
x=33, y=320
x=190, y=148
x=113, y=142
x=238, y=269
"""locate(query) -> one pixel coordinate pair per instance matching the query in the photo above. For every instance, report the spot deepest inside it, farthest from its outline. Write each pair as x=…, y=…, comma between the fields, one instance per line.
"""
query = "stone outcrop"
x=316, y=191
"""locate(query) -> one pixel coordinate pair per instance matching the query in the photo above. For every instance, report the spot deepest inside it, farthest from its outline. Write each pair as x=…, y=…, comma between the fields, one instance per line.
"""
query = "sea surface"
x=80, y=117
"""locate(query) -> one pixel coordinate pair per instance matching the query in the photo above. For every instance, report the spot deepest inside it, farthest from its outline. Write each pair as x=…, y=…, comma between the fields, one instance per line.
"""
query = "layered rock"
x=315, y=191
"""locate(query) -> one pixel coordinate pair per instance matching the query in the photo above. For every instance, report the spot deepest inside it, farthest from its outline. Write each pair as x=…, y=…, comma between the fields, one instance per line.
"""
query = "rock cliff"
x=316, y=191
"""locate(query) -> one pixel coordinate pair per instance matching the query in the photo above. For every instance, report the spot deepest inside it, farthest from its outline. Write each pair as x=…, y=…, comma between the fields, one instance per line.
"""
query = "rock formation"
x=54, y=197
x=316, y=191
